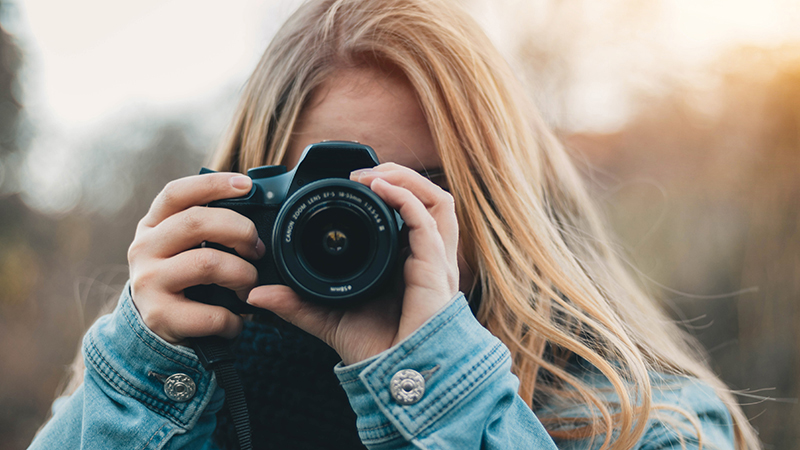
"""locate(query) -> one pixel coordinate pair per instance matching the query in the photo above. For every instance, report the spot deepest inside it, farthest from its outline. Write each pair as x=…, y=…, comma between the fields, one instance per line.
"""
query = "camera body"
x=330, y=239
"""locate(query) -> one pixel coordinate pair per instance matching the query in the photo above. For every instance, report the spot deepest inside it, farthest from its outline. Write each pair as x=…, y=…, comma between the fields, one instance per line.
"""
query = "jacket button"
x=407, y=387
x=179, y=387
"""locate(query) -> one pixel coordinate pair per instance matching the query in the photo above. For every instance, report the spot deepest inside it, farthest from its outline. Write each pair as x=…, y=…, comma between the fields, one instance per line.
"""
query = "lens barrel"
x=335, y=241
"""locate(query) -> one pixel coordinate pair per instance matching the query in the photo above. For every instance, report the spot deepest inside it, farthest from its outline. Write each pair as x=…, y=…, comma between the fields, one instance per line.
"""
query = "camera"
x=330, y=239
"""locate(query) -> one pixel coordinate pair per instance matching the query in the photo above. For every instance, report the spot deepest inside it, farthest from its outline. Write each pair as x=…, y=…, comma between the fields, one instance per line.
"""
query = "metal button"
x=407, y=387
x=179, y=387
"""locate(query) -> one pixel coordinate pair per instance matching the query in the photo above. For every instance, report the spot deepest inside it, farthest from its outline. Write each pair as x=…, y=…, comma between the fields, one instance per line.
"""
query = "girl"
x=554, y=345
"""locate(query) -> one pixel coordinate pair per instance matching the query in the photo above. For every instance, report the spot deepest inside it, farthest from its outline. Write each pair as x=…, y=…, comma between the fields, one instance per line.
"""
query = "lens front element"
x=335, y=242
x=326, y=246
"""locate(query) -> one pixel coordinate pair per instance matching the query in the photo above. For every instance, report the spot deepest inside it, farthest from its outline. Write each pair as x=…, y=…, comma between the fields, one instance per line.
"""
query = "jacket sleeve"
x=138, y=392
x=466, y=397
x=672, y=429
x=447, y=386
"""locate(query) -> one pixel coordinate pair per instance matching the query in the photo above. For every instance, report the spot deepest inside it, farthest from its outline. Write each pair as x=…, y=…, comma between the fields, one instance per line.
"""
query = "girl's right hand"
x=165, y=257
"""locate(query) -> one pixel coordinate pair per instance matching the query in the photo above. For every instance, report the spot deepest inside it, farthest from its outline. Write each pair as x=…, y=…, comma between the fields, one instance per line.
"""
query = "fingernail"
x=357, y=173
x=253, y=299
x=241, y=182
x=379, y=181
x=260, y=248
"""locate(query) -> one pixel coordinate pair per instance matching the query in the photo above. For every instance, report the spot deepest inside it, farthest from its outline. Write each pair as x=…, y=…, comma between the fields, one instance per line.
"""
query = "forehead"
x=372, y=107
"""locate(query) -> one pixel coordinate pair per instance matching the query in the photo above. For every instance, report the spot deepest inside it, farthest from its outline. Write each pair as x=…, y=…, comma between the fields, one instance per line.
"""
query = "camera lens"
x=334, y=241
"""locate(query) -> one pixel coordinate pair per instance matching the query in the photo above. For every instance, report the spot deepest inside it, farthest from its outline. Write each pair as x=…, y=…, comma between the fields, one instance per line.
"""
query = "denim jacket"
x=455, y=390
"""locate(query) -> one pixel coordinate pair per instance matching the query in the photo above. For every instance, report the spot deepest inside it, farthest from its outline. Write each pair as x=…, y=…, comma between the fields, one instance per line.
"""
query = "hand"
x=164, y=257
x=430, y=273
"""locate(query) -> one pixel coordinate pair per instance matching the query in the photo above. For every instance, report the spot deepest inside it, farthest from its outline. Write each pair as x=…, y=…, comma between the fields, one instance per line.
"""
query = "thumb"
x=312, y=318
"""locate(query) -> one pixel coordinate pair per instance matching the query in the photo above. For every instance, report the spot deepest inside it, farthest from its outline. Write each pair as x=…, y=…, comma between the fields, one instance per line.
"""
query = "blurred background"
x=684, y=116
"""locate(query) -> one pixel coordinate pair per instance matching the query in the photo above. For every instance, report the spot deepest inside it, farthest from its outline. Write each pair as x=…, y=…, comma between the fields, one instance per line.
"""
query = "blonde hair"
x=550, y=283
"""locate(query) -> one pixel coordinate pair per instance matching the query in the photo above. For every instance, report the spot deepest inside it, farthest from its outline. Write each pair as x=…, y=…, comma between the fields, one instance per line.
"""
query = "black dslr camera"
x=330, y=239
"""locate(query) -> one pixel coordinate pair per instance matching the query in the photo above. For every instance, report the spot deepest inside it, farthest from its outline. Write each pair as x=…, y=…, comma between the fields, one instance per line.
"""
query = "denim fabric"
x=470, y=398
x=667, y=427
x=122, y=403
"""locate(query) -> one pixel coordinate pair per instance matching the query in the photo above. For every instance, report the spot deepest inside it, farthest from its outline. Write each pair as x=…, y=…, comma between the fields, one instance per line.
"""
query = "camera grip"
x=263, y=217
x=214, y=294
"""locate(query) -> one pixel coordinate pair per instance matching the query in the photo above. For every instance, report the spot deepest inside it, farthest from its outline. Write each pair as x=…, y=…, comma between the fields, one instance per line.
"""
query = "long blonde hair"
x=551, y=284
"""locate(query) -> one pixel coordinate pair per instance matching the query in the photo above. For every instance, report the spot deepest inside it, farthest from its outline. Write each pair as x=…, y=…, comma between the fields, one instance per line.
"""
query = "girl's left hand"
x=430, y=273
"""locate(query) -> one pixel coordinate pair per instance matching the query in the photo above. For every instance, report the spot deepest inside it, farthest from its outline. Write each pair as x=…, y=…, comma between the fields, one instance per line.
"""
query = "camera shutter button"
x=179, y=387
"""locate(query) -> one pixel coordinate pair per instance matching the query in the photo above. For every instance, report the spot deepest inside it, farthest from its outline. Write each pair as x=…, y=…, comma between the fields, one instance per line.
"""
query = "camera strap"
x=215, y=354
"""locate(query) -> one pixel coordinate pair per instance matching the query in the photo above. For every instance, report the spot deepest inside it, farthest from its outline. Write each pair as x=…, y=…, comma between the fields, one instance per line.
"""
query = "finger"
x=283, y=301
x=196, y=190
x=205, y=266
x=440, y=203
x=191, y=227
x=423, y=230
x=183, y=318
x=429, y=193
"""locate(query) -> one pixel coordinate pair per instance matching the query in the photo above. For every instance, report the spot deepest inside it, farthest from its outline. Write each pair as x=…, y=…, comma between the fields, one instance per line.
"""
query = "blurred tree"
x=57, y=271
x=17, y=265
x=769, y=327
x=704, y=190
x=10, y=106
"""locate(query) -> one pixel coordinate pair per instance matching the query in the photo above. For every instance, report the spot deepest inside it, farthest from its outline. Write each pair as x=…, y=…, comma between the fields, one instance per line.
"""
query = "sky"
x=89, y=58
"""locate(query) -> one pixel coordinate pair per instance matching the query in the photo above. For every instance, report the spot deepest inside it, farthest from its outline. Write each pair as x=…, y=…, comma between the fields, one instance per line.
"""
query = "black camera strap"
x=215, y=354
